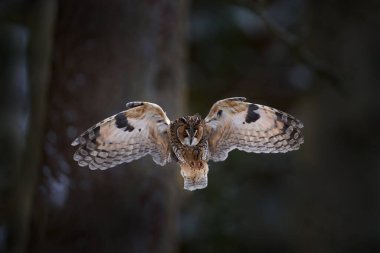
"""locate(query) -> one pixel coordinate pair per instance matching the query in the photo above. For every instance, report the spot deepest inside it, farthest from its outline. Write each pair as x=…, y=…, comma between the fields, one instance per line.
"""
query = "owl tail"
x=194, y=177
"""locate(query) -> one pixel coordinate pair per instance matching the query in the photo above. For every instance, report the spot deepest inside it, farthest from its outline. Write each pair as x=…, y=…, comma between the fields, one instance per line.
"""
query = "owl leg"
x=199, y=164
x=196, y=164
x=194, y=177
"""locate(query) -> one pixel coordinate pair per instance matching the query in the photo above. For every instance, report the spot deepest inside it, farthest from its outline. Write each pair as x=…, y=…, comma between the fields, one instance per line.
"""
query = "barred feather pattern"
x=235, y=124
x=124, y=137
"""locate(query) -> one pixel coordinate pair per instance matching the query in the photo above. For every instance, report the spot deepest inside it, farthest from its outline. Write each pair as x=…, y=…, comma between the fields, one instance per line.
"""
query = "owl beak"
x=191, y=135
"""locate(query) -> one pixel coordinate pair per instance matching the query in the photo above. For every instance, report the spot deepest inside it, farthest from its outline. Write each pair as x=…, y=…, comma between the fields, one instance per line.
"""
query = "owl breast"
x=190, y=154
x=192, y=157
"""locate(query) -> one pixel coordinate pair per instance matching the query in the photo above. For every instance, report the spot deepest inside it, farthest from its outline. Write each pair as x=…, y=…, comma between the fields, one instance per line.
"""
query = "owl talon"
x=196, y=164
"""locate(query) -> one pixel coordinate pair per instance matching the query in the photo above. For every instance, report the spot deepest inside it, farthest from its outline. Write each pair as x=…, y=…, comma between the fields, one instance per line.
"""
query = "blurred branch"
x=295, y=45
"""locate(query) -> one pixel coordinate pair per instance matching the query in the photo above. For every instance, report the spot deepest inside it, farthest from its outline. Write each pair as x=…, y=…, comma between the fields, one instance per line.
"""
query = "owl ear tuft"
x=197, y=116
x=183, y=120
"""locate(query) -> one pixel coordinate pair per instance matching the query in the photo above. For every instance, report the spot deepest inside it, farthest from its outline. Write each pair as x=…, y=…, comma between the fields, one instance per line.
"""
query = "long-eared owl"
x=190, y=141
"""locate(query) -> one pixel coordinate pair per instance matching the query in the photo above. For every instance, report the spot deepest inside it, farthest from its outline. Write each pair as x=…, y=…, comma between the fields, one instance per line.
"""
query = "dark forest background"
x=67, y=64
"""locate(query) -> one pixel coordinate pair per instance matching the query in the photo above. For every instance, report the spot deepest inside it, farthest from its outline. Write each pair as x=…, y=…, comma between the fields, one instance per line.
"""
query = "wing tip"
x=76, y=142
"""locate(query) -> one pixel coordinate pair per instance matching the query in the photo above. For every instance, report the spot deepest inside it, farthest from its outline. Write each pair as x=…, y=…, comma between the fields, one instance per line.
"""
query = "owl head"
x=190, y=130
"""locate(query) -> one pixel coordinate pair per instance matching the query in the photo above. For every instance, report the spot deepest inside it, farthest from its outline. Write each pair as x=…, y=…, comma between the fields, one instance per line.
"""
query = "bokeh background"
x=67, y=64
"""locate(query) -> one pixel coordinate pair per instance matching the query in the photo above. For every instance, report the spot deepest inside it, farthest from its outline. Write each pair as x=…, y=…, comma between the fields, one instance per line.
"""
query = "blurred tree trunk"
x=105, y=54
x=13, y=40
x=25, y=40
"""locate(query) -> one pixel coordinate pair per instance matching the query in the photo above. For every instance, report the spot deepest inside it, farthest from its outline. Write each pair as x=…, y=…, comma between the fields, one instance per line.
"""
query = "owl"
x=191, y=141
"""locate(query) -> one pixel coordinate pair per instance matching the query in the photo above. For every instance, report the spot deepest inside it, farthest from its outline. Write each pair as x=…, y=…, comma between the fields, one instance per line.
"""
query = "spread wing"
x=233, y=123
x=129, y=135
